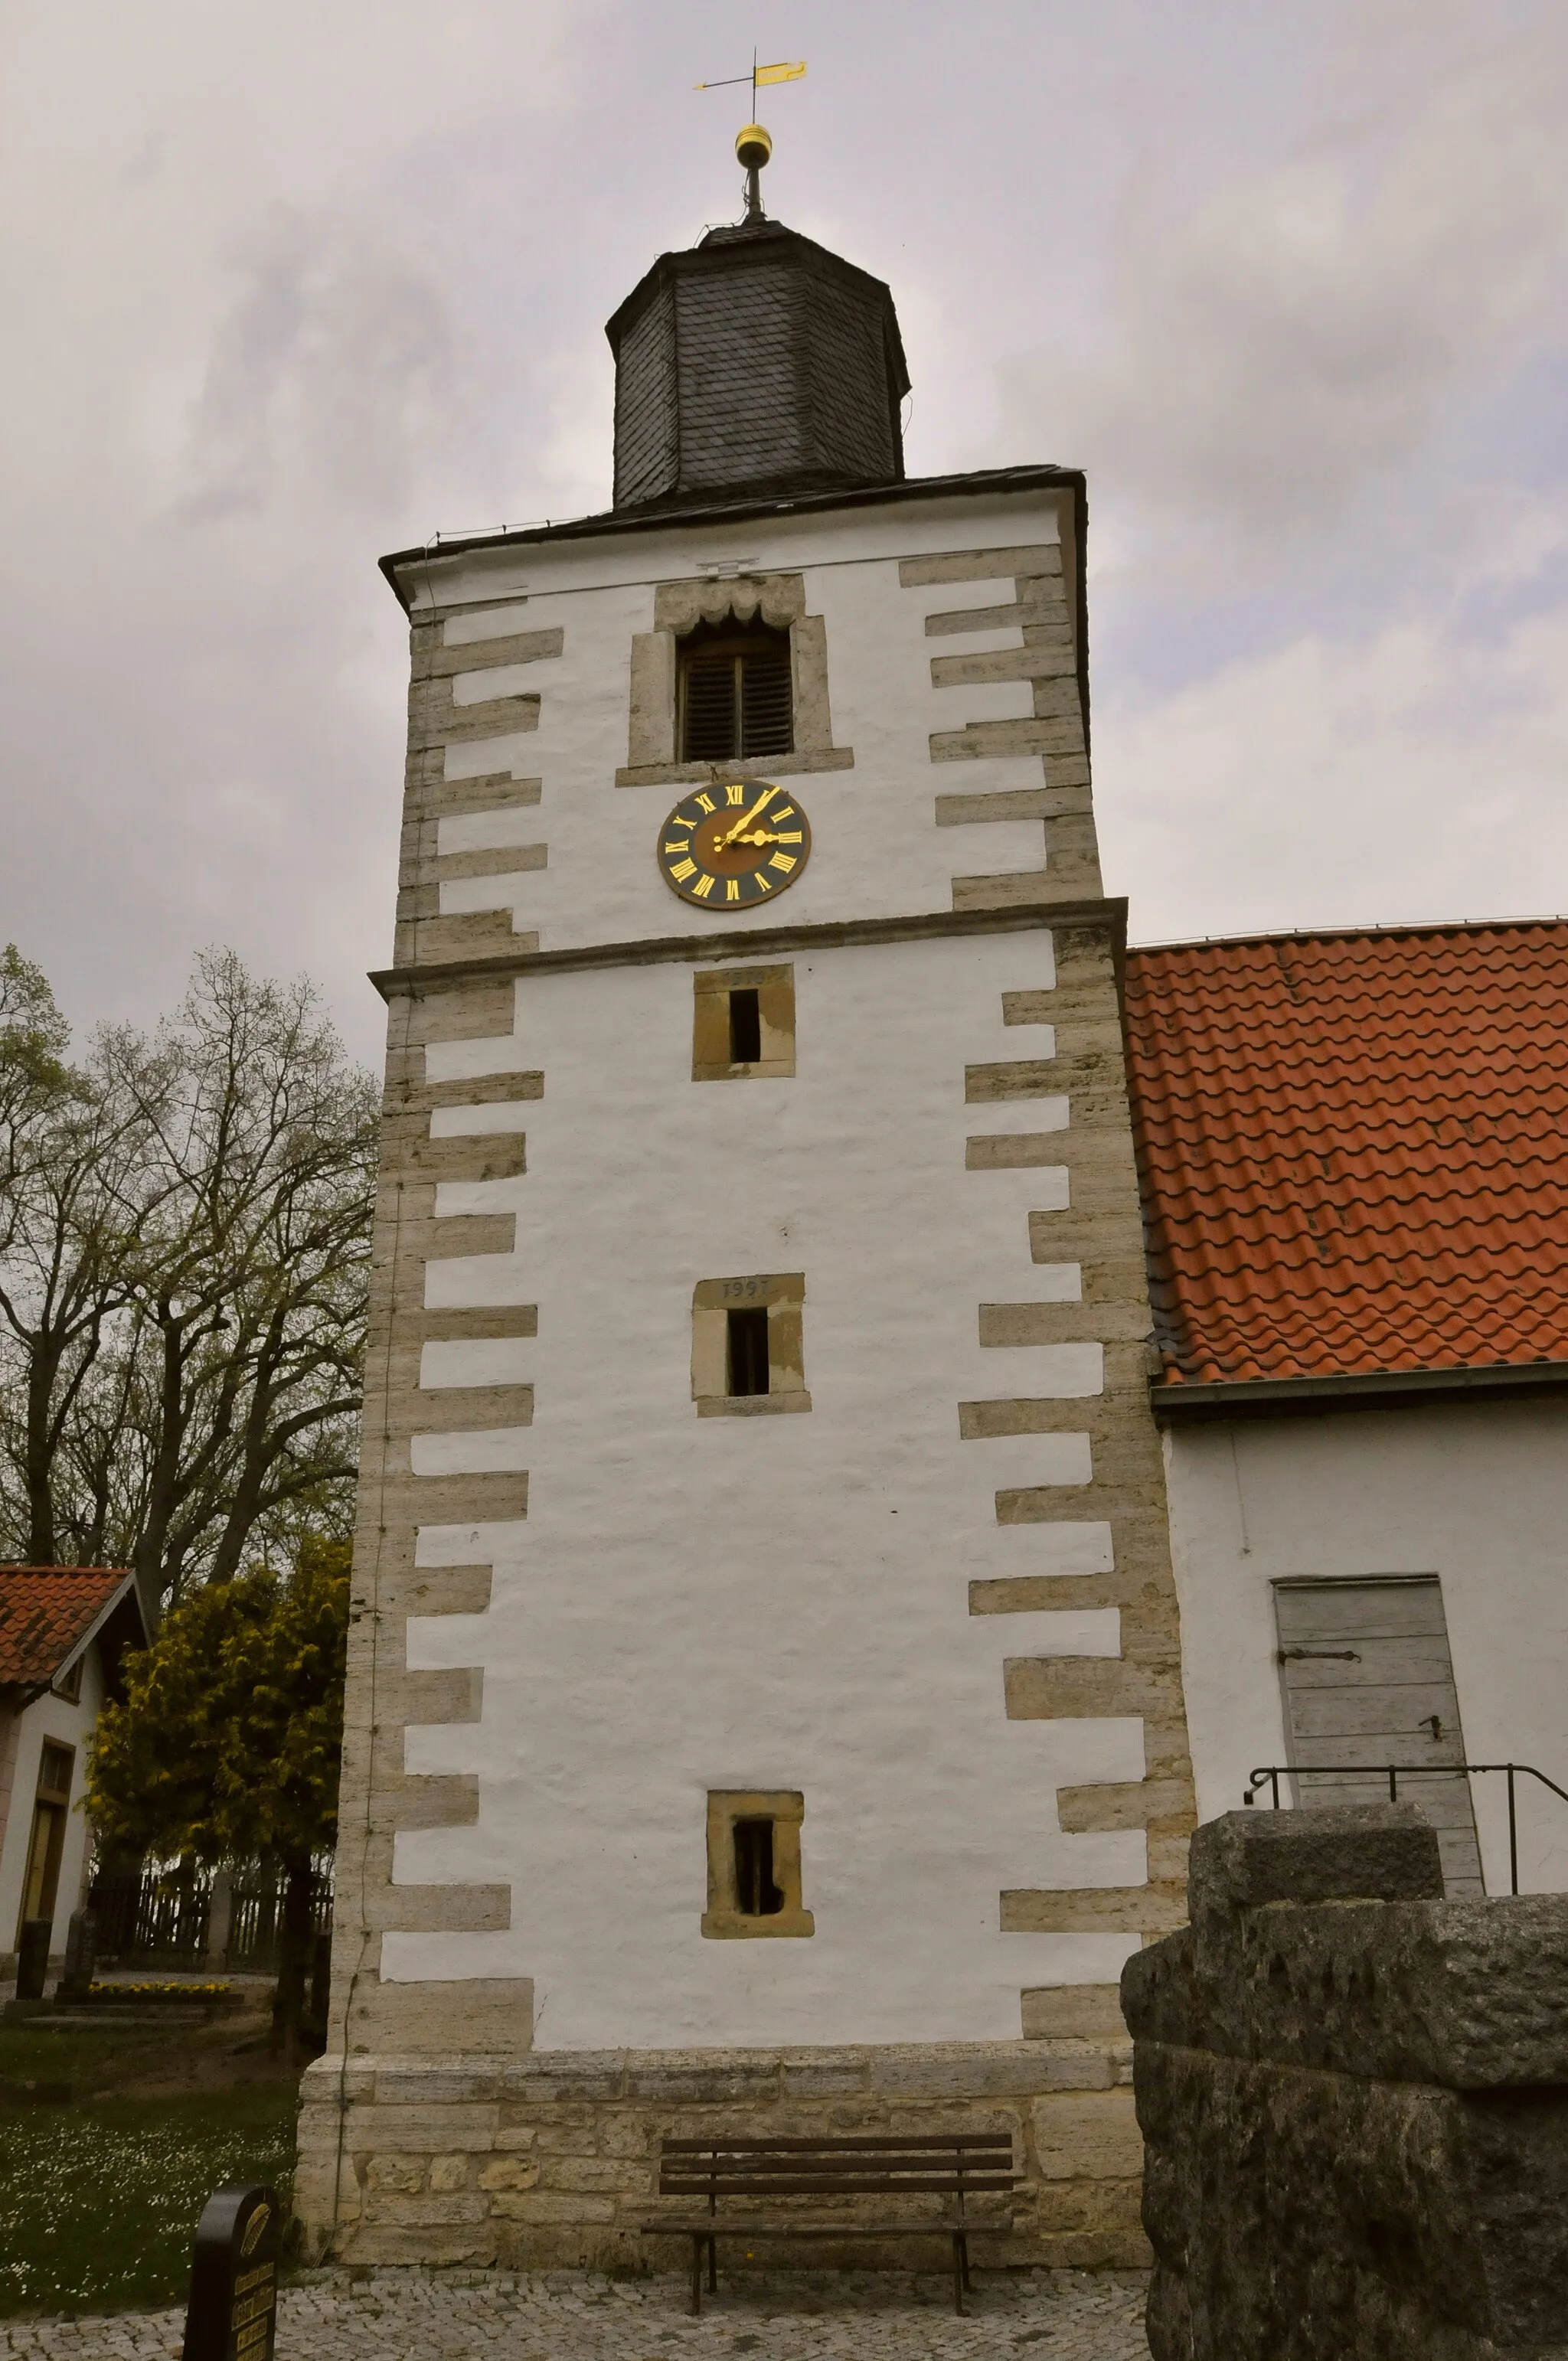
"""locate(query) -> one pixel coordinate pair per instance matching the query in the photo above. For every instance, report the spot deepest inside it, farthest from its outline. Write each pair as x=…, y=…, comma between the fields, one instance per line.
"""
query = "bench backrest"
x=947, y=2163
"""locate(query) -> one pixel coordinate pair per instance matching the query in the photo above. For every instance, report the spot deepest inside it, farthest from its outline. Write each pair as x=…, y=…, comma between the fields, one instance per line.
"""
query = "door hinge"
x=1337, y=1655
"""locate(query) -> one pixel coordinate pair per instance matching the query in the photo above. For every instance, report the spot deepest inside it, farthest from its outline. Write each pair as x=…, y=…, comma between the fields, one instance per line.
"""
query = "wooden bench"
x=950, y=2165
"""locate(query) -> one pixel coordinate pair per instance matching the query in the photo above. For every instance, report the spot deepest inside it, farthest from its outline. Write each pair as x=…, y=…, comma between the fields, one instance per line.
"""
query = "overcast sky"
x=286, y=286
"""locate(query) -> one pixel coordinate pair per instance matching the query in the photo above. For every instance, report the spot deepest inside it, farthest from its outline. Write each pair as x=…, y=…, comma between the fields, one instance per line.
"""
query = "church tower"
x=764, y=1695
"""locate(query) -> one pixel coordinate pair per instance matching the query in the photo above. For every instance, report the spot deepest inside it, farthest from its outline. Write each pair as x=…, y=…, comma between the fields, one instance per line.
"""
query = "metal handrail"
x=1272, y=1773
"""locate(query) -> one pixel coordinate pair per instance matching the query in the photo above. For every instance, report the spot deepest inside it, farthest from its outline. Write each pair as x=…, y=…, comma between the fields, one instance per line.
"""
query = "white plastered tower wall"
x=939, y=1604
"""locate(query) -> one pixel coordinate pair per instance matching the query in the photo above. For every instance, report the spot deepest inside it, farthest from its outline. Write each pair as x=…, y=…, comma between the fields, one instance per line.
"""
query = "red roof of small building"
x=1352, y=1147
x=45, y=1611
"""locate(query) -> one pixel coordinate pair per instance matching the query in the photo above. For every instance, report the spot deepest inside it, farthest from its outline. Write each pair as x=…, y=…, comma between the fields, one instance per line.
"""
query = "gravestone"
x=81, y=1957
x=32, y=1958
x=233, y=2311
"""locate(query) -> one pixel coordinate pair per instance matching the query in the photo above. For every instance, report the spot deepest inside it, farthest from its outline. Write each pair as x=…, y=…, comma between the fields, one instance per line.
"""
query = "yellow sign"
x=780, y=73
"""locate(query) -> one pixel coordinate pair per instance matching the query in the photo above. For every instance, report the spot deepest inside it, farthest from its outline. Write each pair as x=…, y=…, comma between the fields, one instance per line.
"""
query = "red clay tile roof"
x=1353, y=1149
x=44, y=1611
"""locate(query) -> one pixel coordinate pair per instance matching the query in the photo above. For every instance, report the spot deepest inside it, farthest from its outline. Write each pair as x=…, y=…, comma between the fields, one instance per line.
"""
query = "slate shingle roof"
x=755, y=360
x=1352, y=1147
x=44, y=1611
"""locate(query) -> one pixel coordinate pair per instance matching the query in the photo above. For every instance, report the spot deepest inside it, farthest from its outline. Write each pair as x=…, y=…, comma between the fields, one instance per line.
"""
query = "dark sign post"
x=233, y=2311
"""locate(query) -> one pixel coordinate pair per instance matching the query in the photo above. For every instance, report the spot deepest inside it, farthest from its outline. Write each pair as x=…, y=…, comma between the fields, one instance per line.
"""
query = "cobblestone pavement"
x=414, y=2315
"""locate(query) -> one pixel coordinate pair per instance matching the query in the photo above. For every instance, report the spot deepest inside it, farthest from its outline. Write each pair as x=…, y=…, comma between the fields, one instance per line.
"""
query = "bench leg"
x=958, y=2273
x=713, y=2267
x=963, y=2248
x=697, y=2243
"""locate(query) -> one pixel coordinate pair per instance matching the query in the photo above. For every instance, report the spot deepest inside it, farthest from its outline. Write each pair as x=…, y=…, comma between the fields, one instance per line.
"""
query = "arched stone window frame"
x=778, y=600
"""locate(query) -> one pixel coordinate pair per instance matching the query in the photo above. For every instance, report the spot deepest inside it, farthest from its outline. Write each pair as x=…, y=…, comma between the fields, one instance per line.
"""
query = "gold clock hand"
x=746, y=818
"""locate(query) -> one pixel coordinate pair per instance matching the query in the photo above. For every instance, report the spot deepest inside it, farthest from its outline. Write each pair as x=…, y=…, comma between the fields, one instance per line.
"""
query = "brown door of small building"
x=41, y=1880
x=1369, y=1678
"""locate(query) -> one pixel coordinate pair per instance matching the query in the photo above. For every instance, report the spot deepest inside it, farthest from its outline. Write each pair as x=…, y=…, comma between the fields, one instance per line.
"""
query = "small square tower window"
x=747, y=1347
x=753, y=1863
x=735, y=693
x=742, y=1023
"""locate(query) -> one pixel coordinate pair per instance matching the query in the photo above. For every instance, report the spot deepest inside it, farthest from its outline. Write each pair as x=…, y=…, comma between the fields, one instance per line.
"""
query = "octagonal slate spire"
x=755, y=363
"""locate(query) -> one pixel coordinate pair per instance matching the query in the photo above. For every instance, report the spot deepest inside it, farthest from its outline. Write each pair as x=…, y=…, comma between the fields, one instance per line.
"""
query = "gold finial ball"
x=753, y=147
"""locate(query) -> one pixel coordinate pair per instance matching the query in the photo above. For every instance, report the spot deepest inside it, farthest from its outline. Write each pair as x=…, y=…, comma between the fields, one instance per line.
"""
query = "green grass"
x=98, y=2204
x=82, y=2062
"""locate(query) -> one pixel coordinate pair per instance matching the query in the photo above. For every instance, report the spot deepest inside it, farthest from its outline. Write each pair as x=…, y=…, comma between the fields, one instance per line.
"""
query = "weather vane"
x=755, y=146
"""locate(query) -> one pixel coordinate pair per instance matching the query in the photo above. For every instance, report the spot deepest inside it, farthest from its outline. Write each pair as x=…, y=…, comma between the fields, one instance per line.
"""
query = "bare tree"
x=184, y=1247
x=250, y=1270
x=70, y=1166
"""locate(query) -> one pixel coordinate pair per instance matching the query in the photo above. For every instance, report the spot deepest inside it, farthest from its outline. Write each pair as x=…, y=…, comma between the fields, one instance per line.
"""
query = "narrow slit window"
x=748, y=1351
x=745, y=1027
x=737, y=697
x=756, y=1896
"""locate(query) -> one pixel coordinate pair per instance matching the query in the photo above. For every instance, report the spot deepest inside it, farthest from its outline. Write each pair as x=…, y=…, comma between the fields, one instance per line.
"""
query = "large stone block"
x=1087, y=2138
x=509, y=2172
x=1383, y=1852
x=1354, y=2108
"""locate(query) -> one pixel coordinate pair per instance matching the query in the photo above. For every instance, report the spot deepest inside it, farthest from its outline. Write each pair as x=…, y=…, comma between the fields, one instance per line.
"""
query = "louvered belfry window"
x=737, y=698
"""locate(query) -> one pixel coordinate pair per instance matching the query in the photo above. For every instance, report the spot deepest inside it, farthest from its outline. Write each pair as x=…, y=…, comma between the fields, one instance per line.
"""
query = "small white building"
x=1357, y=1206
x=64, y=1630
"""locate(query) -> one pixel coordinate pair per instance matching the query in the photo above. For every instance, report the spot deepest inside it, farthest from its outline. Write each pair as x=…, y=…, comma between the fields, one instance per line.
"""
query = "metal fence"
x=177, y=1916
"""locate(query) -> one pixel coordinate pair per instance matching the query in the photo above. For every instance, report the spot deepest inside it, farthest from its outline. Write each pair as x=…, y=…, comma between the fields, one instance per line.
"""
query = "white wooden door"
x=1368, y=1679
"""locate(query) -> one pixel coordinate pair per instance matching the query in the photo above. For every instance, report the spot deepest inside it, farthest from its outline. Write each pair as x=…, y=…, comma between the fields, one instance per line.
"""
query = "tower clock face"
x=730, y=847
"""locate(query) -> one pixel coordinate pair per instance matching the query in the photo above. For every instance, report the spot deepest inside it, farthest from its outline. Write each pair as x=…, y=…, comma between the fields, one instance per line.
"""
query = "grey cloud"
x=327, y=373
x=292, y=287
x=1297, y=331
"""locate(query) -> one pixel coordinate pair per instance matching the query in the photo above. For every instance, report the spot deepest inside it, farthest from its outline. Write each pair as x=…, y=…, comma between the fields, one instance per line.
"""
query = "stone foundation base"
x=550, y=2158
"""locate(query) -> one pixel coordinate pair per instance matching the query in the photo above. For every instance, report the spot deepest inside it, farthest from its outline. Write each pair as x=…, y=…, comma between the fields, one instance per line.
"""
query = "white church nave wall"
x=1476, y=1495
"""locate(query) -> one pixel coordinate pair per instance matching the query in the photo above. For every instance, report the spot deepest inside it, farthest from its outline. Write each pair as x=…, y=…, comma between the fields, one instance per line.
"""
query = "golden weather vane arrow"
x=754, y=145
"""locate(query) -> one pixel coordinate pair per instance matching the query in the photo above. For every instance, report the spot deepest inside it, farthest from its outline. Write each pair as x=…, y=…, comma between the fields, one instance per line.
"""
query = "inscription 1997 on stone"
x=233, y=2311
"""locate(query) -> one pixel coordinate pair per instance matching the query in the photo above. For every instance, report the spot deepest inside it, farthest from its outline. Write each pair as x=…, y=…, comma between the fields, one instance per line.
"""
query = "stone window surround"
x=723, y=1920
x=779, y=599
x=711, y=988
x=783, y=1295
